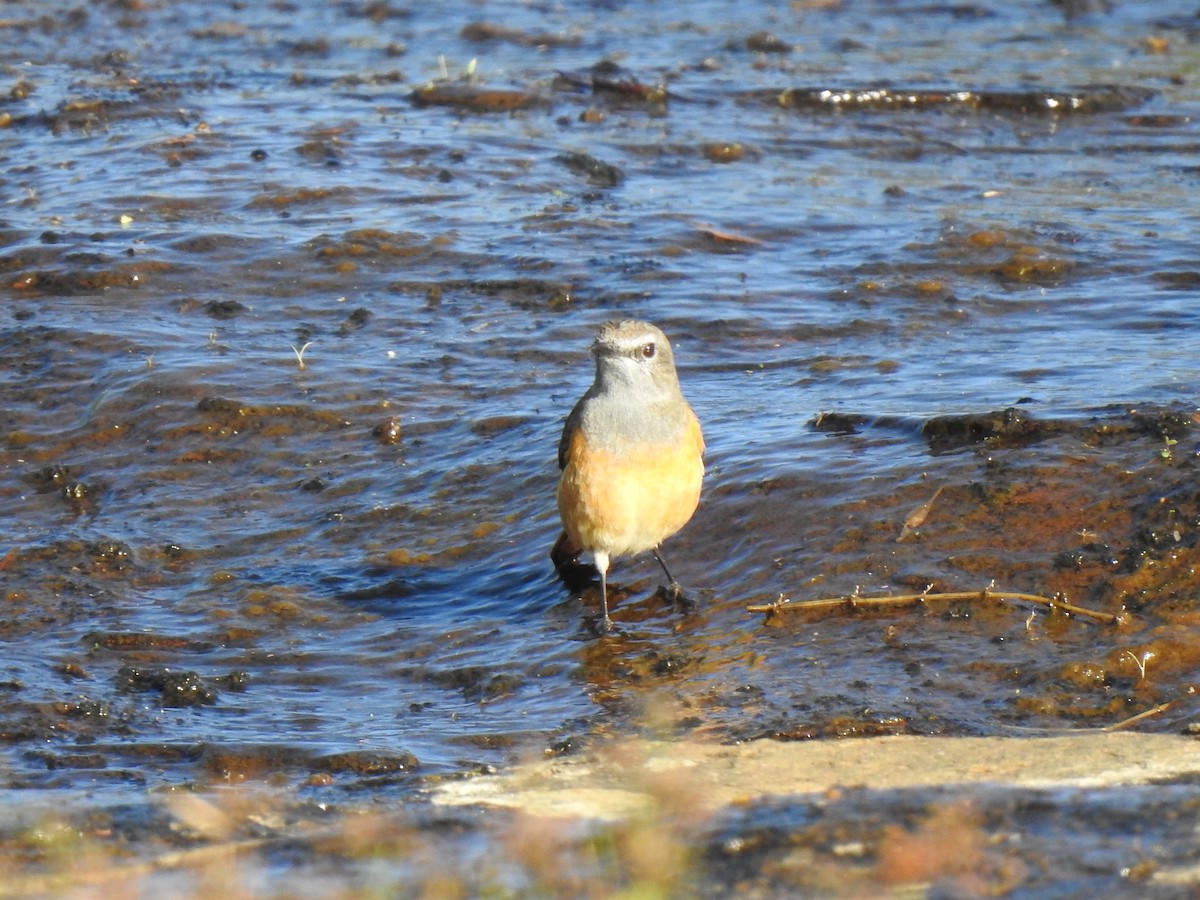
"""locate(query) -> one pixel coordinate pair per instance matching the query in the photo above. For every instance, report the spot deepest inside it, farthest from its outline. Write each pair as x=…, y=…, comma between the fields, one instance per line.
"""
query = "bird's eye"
x=648, y=350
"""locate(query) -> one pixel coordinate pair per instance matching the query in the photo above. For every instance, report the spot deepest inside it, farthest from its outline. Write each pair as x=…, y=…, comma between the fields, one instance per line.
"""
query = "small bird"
x=631, y=456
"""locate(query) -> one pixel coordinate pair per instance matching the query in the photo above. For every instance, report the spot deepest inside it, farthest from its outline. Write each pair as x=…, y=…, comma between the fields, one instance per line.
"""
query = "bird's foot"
x=603, y=626
x=675, y=595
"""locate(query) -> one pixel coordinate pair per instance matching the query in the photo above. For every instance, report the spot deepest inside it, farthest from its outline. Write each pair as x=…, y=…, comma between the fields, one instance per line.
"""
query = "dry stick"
x=1057, y=602
x=1053, y=603
x=1115, y=726
x=1145, y=714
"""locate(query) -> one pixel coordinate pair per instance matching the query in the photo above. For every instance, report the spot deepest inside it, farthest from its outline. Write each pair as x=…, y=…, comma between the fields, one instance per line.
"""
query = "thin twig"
x=1132, y=720
x=300, y=354
x=1115, y=726
x=1056, y=603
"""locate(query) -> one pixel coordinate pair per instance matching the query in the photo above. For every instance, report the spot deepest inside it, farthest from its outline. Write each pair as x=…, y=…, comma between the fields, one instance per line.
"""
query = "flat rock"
x=632, y=776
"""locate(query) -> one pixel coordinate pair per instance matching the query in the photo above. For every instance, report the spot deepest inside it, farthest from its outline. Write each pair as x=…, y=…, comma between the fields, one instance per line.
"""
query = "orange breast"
x=629, y=502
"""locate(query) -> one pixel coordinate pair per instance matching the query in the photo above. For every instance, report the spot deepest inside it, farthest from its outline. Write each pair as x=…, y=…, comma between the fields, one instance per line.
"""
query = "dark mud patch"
x=1085, y=101
x=476, y=99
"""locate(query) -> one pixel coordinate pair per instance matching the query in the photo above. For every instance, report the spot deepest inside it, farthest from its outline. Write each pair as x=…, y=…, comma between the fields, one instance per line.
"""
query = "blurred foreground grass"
x=654, y=832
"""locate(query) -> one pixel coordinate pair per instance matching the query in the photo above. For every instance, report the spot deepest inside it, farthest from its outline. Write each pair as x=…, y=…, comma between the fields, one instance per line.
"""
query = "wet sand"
x=624, y=780
x=621, y=783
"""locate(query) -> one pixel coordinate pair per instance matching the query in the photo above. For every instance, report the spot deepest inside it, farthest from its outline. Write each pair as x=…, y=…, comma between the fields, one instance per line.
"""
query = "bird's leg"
x=601, y=560
x=674, y=591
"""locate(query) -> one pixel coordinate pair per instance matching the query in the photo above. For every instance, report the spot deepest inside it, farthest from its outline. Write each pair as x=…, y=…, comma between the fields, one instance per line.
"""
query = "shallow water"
x=284, y=354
